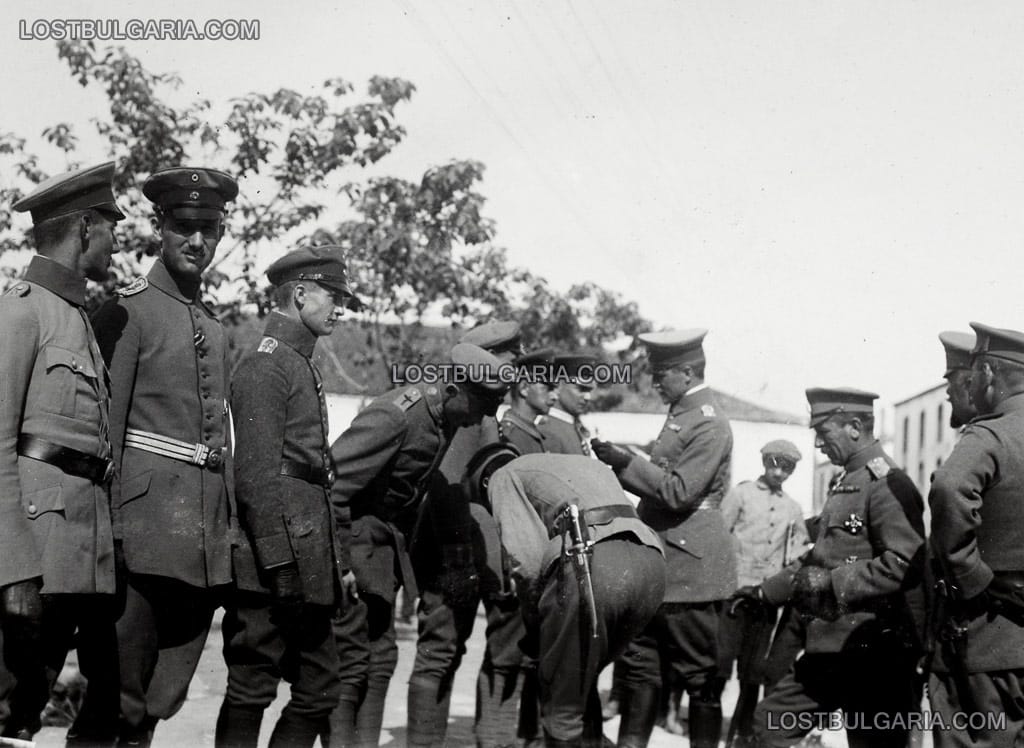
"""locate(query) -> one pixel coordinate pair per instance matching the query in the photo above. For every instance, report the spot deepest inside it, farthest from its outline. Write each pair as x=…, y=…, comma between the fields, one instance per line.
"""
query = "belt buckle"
x=215, y=458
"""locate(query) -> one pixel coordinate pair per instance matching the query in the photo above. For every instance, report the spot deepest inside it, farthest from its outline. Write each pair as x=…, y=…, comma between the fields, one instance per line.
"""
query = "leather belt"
x=600, y=515
x=195, y=454
x=71, y=461
x=309, y=473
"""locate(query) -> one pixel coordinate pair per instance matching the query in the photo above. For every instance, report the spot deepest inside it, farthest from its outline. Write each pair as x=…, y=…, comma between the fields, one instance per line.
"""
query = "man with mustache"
x=57, y=562
x=172, y=497
x=680, y=489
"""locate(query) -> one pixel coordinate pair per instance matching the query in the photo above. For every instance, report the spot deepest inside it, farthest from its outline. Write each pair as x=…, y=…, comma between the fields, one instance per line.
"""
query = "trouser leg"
x=351, y=639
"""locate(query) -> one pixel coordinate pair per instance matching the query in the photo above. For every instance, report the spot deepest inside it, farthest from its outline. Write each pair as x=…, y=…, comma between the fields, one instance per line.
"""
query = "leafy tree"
x=415, y=250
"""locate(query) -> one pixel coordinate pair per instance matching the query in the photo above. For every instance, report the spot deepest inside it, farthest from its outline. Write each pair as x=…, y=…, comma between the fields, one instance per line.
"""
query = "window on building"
x=940, y=424
x=906, y=434
x=923, y=421
x=922, y=479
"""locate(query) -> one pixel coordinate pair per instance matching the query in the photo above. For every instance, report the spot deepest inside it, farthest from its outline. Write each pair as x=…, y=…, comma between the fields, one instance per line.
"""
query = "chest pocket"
x=70, y=383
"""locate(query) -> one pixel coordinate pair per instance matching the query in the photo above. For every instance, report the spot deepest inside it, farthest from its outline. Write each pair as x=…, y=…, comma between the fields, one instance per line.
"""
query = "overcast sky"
x=824, y=185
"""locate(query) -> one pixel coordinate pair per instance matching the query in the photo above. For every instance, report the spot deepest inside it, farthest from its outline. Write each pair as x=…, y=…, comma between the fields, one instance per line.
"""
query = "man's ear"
x=85, y=222
x=299, y=296
x=156, y=222
x=855, y=427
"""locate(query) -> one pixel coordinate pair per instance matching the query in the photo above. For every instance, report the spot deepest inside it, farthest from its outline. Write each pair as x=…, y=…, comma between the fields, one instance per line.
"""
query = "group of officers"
x=143, y=485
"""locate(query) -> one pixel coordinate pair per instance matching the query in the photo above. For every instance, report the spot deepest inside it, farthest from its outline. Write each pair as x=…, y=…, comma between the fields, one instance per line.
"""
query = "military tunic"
x=978, y=539
x=55, y=525
x=870, y=539
x=383, y=464
x=172, y=514
x=282, y=469
x=522, y=434
x=566, y=435
x=627, y=569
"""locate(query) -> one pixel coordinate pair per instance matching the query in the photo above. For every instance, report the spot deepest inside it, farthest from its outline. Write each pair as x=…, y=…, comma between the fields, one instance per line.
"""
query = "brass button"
x=31, y=508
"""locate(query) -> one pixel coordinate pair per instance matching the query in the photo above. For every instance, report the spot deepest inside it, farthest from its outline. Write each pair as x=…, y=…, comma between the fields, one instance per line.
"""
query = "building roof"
x=922, y=393
x=744, y=410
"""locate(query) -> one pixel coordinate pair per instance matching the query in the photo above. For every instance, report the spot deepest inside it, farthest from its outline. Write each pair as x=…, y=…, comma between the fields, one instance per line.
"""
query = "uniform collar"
x=561, y=415
x=58, y=278
x=693, y=398
x=291, y=332
x=1012, y=403
x=521, y=422
x=160, y=277
x=864, y=456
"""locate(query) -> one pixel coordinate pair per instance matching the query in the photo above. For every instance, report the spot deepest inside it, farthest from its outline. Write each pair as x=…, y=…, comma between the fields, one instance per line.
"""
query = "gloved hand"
x=813, y=595
x=286, y=590
x=457, y=577
x=611, y=454
x=21, y=600
x=751, y=596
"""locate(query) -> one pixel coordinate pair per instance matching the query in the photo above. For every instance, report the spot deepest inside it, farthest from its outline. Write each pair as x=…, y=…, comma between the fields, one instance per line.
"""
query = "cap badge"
x=195, y=177
x=193, y=195
x=853, y=523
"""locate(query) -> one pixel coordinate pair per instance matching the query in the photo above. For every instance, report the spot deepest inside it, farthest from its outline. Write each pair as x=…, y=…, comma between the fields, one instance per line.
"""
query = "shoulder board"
x=136, y=286
x=506, y=422
x=407, y=399
x=267, y=345
x=18, y=289
x=878, y=468
x=708, y=410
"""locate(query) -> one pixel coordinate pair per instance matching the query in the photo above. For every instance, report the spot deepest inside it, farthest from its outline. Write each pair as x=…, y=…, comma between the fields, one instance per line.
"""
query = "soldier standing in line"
x=768, y=532
x=384, y=461
x=533, y=393
x=172, y=497
x=293, y=570
x=57, y=559
x=680, y=491
x=589, y=573
x=562, y=426
x=852, y=589
x=958, y=347
x=445, y=622
x=976, y=532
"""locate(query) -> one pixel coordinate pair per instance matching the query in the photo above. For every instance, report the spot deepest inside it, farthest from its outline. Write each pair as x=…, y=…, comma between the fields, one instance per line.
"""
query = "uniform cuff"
x=975, y=581
x=778, y=589
x=273, y=550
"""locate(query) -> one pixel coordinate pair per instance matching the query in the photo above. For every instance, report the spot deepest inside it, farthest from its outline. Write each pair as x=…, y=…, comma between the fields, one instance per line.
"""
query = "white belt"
x=195, y=454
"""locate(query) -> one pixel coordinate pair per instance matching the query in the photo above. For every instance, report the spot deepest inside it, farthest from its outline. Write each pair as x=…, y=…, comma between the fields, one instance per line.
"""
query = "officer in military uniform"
x=680, y=491
x=589, y=573
x=447, y=610
x=977, y=537
x=291, y=571
x=384, y=461
x=862, y=643
x=562, y=427
x=958, y=347
x=532, y=396
x=57, y=559
x=171, y=499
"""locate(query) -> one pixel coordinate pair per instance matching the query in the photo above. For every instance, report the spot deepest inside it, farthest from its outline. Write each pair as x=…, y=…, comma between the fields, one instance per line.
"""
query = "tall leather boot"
x=639, y=711
x=237, y=726
x=705, y=723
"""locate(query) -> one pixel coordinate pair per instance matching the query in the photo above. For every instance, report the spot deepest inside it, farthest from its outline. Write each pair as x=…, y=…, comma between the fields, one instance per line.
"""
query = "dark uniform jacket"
x=531, y=492
x=383, y=463
x=522, y=434
x=168, y=373
x=978, y=526
x=680, y=491
x=279, y=411
x=564, y=434
x=52, y=386
x=870, y=536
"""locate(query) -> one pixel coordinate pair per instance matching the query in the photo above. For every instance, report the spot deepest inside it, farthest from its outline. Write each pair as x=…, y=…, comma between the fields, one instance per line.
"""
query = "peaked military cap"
x=958, y=347
x=829, y=401
x=535, y=366
x=480, y=369
x=999, y=343
x=496, y=337
x=782, y=448
x=575, y=369
x=191, y=192
x=83, y=189
x=324, y=265
x=674, y=347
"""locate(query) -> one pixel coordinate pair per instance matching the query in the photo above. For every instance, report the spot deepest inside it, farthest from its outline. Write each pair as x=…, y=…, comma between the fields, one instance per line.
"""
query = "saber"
x=579, y=551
